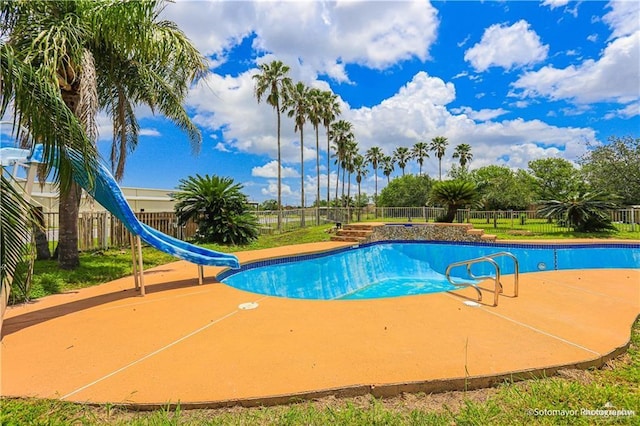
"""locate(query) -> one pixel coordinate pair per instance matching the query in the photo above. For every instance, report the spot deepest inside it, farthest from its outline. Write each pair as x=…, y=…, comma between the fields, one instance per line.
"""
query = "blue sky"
x=516, y=80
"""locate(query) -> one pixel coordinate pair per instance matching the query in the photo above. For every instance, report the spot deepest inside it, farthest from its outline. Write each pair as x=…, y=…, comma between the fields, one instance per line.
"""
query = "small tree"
x=614, y=168
x=584, y=212
x=406, y=191
x=218, y=207
x=269, y=205
x=454, y=194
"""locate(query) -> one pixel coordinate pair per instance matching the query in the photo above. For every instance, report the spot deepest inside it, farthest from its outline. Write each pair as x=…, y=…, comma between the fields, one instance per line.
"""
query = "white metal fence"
x=100, y=230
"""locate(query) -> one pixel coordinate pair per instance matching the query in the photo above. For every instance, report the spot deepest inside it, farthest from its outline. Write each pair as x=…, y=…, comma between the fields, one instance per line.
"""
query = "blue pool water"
x=392, y=269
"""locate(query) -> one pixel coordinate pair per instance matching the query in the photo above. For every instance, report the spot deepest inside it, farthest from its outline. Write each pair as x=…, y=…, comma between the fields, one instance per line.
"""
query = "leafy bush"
x=406, y=191
x=218, y=207
x=584, y=212
x=454, y=194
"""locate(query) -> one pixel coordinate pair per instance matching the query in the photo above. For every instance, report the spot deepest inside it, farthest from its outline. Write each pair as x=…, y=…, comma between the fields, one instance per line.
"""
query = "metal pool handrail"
x=489, y=259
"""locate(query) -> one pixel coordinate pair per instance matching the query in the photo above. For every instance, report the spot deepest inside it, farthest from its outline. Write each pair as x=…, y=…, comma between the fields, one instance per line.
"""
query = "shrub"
x=454, y=194
x=584, y=212
x=218, y=207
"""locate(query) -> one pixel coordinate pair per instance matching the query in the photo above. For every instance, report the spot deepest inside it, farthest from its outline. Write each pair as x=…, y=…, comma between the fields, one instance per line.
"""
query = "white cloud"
x=372, y=34
x=149, y=132
x=592, y=37
x=418, y=113
x=220, y=146
x=271, y=191
x=613, y=77
x=484, y=114
x=463, y=42
x=555, y=3
x=520, y=104
x=624, y=18
x=631, y=110
x=507, y=47
x=270, y=170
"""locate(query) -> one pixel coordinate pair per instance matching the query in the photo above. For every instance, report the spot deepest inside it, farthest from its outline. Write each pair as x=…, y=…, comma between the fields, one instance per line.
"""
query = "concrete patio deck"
x=193, y=345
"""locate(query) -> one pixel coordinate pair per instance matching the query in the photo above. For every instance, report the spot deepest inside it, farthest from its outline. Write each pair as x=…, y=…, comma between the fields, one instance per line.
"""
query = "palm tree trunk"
x=317, y=178
x=358, y=202
x=42, y=244
x=344, y=173
x=68, y=256
x=450, y=214
x=328, y=168
x=375, y=201
x=69, y=207
x=348, y=198
x=302, y=177
x=337, y=182
x=279, y=173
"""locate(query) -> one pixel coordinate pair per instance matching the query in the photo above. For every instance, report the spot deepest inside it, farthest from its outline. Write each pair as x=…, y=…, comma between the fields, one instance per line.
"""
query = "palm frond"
x=40, y=113
x=17, y=249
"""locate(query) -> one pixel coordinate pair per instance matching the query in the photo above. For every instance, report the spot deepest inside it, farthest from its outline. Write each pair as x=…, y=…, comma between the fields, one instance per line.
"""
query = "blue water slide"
x=106, y=191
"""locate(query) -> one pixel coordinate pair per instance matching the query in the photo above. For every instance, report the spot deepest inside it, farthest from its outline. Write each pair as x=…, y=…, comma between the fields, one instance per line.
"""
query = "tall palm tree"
x=330, y=111
x=108, y=55
x=361, y=170
x=388, y=164
x=39, y=110
x=463, y=153
x=420, y=151
x=298, y=104
x=340, y=133
x=373, y=156
x=274, y=83
x=439, y=146
x=315, y=117
x=402, y=156
x=351, y=152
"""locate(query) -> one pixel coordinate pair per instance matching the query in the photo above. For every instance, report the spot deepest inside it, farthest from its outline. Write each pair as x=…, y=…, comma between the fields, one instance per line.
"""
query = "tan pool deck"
x=193, y=345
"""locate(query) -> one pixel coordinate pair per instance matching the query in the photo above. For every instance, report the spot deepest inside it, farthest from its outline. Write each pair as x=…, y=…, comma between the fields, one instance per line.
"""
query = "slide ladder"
x=498, y=288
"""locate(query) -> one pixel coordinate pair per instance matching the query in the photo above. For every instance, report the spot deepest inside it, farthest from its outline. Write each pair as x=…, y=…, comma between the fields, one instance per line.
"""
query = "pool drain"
x=248, y=306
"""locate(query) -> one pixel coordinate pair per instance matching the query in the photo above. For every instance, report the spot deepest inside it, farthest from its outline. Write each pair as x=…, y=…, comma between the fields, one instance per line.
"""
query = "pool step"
x=480, y=233
x=353, y=233
x=488, y=237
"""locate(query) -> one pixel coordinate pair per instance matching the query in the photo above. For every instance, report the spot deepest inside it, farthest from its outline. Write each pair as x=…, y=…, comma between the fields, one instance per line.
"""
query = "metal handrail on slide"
x=489, y=259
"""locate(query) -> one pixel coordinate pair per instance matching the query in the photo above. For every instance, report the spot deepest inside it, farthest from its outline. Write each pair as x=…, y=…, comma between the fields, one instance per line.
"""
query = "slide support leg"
x=140, y=268
x=200, y=274
x=134, y=261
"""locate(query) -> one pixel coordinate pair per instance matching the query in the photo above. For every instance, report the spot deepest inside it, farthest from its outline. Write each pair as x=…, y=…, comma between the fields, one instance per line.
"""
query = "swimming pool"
x=391, y=269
